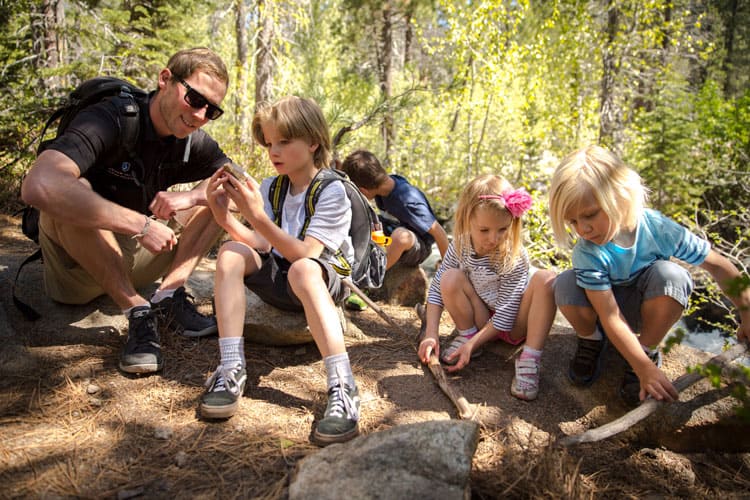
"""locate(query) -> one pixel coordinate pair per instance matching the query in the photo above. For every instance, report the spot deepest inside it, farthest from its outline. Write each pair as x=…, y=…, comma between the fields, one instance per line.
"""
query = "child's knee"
x=567, y=292
x=403, y=238
x=451, y=280
x=304, y=272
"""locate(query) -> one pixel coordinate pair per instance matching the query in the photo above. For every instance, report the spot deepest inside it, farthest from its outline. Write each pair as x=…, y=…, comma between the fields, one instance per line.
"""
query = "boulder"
x=403, y=285
x=265, y=324
x=423, y=460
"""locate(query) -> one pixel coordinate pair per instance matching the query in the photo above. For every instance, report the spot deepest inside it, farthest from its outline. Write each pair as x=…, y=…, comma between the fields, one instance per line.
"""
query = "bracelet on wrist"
x=144, y=231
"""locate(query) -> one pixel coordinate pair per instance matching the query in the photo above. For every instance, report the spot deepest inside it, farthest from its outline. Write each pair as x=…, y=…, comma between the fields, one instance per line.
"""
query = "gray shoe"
x=142, y=352
x=179, y=312
x=223, y=390
x=340, y=420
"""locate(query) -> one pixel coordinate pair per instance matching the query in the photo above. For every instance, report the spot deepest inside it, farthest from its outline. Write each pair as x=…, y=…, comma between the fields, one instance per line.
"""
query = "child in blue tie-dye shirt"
x=623, y=281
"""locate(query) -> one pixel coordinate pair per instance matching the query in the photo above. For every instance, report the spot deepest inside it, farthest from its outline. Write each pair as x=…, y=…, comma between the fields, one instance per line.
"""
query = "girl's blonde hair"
x=617, y=188
x=296, y=118
x=509, y=249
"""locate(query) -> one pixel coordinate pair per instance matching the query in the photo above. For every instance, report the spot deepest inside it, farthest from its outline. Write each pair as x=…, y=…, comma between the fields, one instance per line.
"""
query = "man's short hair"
x=186, y=62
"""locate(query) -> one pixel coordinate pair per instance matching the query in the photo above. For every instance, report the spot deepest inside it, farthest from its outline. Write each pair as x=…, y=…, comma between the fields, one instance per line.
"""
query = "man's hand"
x=167, y=203
x=159, y=238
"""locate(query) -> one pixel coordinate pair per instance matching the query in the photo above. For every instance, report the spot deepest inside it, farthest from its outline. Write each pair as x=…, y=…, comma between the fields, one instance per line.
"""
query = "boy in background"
x=417, y=229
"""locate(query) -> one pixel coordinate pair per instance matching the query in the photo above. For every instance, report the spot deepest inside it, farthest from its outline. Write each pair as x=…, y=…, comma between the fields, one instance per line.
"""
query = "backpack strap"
x=28, y=312
x=277, y=193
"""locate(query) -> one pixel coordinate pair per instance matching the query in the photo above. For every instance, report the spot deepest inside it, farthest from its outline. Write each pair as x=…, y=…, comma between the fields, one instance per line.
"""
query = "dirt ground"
x=73, y=426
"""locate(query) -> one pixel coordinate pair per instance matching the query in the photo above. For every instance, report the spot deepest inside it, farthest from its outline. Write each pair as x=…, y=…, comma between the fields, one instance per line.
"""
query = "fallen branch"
x=460, y=402
x=650, y=405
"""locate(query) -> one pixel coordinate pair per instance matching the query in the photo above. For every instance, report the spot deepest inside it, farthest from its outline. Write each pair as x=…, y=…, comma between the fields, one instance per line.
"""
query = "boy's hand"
x=246, y=195
x=655, y=384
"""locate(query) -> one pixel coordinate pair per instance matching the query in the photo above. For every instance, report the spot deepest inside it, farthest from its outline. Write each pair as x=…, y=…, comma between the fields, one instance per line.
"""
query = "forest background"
x=439, y=90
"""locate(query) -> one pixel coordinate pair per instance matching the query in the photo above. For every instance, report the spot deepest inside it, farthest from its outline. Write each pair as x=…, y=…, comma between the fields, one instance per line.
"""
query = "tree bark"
x=48, y=41
x=608, y=112
x=264, y=66
x=386, y=77
x=241, y=111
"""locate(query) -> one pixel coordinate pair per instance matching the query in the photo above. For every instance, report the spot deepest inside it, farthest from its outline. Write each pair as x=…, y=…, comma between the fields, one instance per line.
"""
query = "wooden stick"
x=460, y=402
x=649, y=406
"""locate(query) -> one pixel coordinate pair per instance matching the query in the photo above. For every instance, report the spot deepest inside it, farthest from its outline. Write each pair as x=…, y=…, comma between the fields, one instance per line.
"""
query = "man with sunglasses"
x=108, y=223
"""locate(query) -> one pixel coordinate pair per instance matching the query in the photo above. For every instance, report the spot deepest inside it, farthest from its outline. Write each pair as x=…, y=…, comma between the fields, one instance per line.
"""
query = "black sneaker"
x=179, y=312
x=223, y=390
x=142, y=352
x=630, y=389
x=586, y=365
x=339, y=423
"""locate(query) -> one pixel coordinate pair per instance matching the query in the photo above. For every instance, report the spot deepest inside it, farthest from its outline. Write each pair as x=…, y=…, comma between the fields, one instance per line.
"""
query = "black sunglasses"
x=196, y=100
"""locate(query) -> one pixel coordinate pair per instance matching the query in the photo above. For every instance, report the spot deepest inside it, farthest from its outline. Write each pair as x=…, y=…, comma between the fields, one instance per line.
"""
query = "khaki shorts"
x=67, y=282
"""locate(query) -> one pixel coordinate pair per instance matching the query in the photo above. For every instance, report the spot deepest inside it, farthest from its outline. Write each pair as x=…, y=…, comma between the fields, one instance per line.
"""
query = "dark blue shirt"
x=410, y=207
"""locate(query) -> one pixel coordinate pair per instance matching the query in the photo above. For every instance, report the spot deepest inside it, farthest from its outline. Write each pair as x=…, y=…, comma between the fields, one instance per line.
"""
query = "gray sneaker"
x=179, y=312
x=142, y=352
x=340, y=420
x=223, y=390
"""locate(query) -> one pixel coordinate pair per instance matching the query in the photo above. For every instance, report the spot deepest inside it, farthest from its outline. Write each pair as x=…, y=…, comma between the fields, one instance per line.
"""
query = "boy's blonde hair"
x=617, y=188
x=507, y=252
x=296, y=118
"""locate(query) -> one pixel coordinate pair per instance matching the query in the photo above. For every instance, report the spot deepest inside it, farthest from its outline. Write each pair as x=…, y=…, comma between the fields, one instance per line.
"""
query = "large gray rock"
x=423, y=460
x=265, y=324
x=403, y=286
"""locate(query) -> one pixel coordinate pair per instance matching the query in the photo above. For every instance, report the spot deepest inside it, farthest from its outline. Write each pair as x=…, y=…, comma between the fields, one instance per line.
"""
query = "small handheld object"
x=235, y=171
x=379, y=237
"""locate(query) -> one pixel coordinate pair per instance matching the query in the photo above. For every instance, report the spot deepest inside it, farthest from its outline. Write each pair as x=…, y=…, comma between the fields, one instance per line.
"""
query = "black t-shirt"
x=92, y=142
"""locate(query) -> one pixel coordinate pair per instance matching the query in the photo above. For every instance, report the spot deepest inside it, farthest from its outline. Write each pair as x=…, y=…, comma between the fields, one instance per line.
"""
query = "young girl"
x=488, y=285
x=622, y=281
x=291, y=273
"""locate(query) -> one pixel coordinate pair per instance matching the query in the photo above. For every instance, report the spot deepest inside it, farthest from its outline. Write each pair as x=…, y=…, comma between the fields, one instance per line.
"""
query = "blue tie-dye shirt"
x=599, y=267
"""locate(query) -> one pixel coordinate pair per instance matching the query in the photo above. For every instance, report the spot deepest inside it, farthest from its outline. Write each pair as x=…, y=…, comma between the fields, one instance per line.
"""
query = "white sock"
x=160, y=295
x=232, y=351
x=597, y=335
x=127, y=311
x=336, y=365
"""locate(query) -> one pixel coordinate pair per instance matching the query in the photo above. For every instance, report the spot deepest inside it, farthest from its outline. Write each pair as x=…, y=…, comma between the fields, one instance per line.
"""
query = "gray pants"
x=661, y=278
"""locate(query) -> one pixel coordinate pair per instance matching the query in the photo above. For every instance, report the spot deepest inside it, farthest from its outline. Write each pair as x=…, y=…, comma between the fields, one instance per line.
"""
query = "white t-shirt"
x=329, y=224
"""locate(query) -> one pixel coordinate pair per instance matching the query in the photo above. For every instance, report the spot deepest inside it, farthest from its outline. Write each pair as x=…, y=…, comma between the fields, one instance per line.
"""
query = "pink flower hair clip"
x=517, y=201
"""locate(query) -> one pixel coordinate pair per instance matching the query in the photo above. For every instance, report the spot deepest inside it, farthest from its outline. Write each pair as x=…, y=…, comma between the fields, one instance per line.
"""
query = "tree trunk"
x=263, y=57
x=48, y=43
x=729, y=39
x=608, y=112
x=240, y=132
x=386, y=78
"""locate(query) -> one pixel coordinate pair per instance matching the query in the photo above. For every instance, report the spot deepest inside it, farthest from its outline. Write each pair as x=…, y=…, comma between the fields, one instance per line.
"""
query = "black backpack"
x=368, y=269
x=92, y=91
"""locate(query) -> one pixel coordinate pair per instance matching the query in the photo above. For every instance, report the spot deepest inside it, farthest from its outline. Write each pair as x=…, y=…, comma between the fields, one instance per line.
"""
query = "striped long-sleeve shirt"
x=501, y=293
x=599, y=267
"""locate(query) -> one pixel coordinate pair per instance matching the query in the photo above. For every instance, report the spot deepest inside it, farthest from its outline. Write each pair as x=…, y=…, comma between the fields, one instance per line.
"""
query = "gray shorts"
x=662, y=278
x=271, y=285
x=416, y=254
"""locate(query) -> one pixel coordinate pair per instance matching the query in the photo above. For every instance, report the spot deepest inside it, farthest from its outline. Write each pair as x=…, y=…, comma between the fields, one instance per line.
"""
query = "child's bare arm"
x=723, y=272
x=653, y=381
x=430, y=343
x=441, y=237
